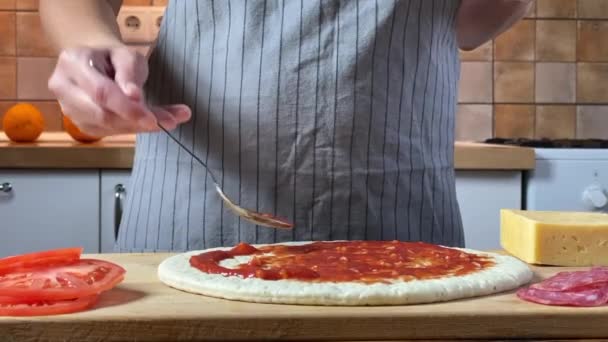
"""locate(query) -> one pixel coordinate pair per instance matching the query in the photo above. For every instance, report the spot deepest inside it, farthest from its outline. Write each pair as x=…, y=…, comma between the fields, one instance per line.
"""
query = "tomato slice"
x=39, y=259
x=43, y=308
x=82, y=278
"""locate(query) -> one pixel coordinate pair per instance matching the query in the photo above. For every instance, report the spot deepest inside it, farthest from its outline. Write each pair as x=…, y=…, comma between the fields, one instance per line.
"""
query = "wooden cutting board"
x=143, y=309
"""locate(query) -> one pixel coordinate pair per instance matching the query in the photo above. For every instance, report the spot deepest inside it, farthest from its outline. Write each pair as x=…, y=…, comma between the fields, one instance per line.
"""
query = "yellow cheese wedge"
x=555, y=238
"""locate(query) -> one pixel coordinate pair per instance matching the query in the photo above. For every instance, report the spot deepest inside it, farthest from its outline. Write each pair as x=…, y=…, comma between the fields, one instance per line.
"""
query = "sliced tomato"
x=82, y=278
x=11, y=300
x=39, y=259
x=44, y=308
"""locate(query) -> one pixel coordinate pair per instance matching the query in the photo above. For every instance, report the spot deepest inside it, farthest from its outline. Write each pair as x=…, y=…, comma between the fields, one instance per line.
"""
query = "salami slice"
x=584, y=297
x=565, y=281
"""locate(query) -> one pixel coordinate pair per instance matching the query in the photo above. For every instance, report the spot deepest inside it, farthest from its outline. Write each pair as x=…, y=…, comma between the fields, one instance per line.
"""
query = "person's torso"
x=337, y=115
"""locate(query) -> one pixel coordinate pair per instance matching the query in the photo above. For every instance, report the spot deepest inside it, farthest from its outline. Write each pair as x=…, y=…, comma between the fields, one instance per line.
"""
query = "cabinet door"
x=113, y=195
x=481, y=195
x=46, y=209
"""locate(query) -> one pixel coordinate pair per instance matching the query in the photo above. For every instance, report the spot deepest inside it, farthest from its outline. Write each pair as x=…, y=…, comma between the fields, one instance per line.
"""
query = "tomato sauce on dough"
x=344, y=261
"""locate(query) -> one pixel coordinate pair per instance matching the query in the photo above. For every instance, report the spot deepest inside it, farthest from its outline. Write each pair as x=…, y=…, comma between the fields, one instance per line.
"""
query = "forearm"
x=478, y=21
x=71, y=23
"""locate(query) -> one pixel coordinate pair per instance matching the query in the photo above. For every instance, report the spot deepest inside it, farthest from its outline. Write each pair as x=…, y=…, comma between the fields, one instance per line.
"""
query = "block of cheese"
x=556, y=238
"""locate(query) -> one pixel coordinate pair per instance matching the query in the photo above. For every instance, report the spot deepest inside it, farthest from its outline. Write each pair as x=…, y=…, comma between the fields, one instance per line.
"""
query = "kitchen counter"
x=143, y=309
x=58, y=150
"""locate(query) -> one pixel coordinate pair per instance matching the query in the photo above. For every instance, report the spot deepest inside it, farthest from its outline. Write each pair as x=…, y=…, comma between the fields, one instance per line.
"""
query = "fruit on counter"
x=575, y=288
x=54, y=282
x=76, y=133
x=23, y=122
x=555, y=237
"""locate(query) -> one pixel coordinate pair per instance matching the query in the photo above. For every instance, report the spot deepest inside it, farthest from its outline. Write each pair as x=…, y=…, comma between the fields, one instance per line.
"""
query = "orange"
x=76, y=133
x=23, y=123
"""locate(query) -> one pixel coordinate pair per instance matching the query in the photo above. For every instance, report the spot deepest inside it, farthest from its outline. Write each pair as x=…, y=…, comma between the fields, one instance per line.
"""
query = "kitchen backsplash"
x=547, y=77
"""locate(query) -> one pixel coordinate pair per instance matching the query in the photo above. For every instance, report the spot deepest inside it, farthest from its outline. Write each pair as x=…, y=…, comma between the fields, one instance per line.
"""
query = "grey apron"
x=337, y=115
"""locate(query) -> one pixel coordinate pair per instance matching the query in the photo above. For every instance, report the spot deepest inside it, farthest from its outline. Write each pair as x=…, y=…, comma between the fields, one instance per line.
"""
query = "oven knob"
x=595, y=197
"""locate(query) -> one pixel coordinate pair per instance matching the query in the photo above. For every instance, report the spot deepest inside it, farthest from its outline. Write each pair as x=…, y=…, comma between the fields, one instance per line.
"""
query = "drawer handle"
x=6, y=187
x=119, y=194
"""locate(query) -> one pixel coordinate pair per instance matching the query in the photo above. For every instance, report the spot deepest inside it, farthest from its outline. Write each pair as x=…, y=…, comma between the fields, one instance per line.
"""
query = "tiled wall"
x=545, y=77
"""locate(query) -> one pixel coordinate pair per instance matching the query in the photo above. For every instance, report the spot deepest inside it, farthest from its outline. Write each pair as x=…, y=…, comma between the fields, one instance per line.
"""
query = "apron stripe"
x=443, y=113
x=194, y=119
x=208, y=115
x=163, y=76
x=447, y=132
x=399, y=116
x=371, y=116
x=156, y=138
x=352, y=129
x=444, y=145
x=257, y=191
x=296, y=125
x=179, y=150
x=432, y=145
x=227, y=48
x=155, y=85
x=411, y=126
x=131, y=206
x=148, y=139
x=333, y=142
x=316, y=113
x=134, y=184
x=240, y=111
x=171, y=64
x=386, y=103
x=432, y=153
x=421, y=225
x=276, y=141
x=455, y=231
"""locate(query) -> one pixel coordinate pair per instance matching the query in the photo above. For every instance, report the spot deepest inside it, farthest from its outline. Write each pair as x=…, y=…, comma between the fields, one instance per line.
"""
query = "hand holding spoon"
x=262, y=219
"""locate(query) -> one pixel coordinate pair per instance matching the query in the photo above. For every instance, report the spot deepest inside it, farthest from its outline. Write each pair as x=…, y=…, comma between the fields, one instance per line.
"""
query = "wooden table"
x=143, y=309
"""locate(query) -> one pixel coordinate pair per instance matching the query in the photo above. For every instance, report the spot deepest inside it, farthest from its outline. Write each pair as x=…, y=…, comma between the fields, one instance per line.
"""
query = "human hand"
x=101, y=90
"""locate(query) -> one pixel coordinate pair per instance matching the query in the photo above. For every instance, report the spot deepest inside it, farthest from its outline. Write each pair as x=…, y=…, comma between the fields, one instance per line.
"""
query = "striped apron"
x=337, y=115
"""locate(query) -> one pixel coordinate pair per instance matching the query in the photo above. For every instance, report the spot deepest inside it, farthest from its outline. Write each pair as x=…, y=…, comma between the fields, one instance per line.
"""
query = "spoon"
x=262, y=219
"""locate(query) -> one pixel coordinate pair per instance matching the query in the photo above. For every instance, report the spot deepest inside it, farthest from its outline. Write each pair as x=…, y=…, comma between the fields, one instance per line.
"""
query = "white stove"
x=568, y=179
x=570, y=174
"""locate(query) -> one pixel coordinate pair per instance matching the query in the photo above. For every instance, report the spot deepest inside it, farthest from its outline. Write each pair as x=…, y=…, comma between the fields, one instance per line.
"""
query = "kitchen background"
x=546, y=77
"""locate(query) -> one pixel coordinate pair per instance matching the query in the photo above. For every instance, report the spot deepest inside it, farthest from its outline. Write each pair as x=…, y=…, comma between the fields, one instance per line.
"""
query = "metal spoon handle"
x=188, y=151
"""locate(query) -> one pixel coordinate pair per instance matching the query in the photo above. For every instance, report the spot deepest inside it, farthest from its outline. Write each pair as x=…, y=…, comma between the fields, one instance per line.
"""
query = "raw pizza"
x=343, y=273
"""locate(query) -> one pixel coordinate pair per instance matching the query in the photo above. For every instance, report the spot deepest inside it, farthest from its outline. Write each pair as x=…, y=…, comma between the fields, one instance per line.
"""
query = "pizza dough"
x=506, y=274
